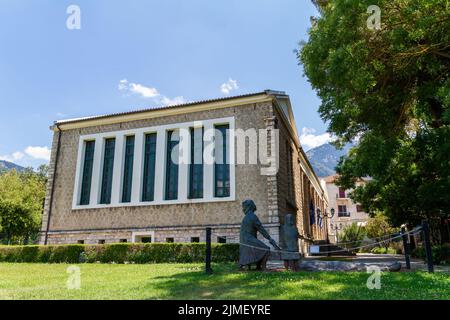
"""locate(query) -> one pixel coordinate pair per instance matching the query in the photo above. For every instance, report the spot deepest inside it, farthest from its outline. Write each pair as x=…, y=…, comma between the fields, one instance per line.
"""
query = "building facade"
x=165, y=174
x=346, y=211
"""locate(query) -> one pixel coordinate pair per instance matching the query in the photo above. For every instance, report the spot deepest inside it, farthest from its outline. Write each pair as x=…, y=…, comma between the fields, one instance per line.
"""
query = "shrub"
x=397, y=246
x=116, y=252
x=380, y=250
x=120, y=253
x=51, y=254
x=380, y=229
x=352, y=235
x=440, y=253
x=225, y=252
x=65, y=254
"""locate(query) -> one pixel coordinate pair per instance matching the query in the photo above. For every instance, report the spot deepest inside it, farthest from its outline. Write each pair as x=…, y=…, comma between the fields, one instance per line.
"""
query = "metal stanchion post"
x=208, y=268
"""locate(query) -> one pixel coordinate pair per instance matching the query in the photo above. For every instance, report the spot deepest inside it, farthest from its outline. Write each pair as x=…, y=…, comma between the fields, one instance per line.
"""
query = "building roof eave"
x=262, y=96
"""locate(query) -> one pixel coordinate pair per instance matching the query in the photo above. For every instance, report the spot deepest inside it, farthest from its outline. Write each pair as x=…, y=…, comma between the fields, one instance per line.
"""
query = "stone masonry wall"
x=294, y=188
x=231, y=233
x=113, y=224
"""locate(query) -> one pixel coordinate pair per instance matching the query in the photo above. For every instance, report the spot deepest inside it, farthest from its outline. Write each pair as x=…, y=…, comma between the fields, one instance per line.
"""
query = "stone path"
x=360, y=262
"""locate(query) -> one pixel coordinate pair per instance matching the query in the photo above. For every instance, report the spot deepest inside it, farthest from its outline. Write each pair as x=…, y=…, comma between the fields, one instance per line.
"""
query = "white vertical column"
x=232, y=157
x=138, y=165
x=160, y=165
x=184, y=152
x=96, y=171
x=208, y=161
x=116, y=189
x=79, y=170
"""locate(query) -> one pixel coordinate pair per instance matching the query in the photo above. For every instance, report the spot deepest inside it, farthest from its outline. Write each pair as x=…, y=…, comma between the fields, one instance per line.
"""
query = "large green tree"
x=388, y=88
x=379, y=228
x=21, y=204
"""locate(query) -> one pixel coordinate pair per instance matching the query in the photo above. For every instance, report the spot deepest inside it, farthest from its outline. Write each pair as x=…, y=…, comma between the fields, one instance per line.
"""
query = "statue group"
x=254, y=251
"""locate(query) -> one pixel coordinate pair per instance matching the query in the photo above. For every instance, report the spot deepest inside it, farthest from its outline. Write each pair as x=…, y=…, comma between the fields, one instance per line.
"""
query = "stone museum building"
x=112, y=180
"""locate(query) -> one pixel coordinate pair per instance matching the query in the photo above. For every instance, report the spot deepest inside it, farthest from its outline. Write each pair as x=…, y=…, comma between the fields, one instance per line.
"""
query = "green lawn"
x=188, y=281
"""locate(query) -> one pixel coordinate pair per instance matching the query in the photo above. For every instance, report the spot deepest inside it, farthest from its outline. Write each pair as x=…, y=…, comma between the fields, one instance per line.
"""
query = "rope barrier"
x=371, y=244
x=348, y=242
x=385, y=235
x=413, y=231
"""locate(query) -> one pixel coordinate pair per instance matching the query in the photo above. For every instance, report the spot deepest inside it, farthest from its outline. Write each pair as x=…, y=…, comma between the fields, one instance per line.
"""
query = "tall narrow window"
x=148, y=188
x=221, y=165
x=172, y=166
x=87, y=172
x=108, y=164
x=341, y=193
x=128, y=169
x=196, y=164
x=290, y=172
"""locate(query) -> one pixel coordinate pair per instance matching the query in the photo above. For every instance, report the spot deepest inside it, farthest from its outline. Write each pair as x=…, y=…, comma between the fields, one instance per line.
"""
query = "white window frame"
x=136, y=234
x=136, y=193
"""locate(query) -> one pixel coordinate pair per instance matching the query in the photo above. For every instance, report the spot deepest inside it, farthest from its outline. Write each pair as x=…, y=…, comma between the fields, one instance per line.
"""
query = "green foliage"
x=440, y=253
x=119, y=253
x=352, y=233
x=42, y=254
x=389, y=88
x=21, y=204
x=379, y=228
x=379, y=250
x=17, y=219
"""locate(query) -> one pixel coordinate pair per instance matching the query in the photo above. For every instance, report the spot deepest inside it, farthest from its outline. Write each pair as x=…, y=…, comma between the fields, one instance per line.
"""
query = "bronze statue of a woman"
x=251, y=249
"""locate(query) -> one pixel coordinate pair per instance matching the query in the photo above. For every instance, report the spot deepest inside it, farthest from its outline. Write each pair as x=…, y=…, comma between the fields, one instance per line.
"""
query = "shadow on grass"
x=228, y=283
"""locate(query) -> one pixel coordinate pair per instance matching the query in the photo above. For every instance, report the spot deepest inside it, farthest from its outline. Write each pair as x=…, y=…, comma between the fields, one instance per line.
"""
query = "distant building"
x=345, y=210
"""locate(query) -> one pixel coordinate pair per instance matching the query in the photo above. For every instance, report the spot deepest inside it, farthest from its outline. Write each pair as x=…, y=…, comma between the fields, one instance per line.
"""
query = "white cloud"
x=229, y=86
x=123, y=84
x=172, y=101
x=16, y=156
x=30, y=157
x=146, y=92
x=137, y=88
x=42, y=153
x=149, y=92
x=310, y=140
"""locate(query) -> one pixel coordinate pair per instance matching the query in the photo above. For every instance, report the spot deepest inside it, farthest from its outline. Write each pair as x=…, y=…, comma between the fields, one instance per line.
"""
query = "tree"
x=42, y=172
x=21, y=204
x=379, y=228
x=390, y=90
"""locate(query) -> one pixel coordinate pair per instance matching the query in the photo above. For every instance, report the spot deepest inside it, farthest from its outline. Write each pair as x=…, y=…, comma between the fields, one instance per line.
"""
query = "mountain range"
x=6, y=166
x=324, y=158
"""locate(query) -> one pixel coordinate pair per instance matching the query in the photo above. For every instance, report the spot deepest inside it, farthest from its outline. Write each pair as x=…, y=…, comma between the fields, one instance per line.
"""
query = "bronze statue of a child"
x=290, y=253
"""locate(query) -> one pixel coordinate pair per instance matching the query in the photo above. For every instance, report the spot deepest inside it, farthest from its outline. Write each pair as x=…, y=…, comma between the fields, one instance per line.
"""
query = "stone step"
x=323, y=251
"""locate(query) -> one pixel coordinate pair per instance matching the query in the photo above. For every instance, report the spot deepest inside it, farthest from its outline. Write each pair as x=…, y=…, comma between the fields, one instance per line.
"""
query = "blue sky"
x=137, y=54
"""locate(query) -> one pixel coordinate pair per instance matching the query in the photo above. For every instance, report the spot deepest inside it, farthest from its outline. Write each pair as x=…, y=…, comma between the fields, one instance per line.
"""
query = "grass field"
x=188, y=281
